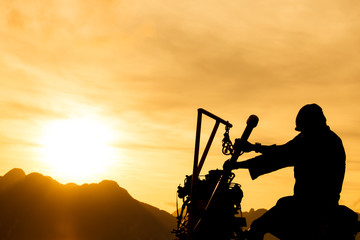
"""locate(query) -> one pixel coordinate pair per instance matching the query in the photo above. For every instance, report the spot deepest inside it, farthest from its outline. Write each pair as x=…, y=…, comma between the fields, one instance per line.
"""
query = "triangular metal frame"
x=198, y=165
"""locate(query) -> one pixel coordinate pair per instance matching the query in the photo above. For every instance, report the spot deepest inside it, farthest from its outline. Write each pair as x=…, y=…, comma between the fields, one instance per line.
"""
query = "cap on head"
x=310, y=117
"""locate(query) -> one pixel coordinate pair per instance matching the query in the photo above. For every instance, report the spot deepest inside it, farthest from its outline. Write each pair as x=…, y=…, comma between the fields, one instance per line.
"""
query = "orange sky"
x=143, y=68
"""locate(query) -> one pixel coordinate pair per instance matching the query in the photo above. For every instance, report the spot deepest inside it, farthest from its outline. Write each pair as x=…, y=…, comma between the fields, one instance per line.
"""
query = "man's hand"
x=228, y=165
x=247, y=146
x=244, y=146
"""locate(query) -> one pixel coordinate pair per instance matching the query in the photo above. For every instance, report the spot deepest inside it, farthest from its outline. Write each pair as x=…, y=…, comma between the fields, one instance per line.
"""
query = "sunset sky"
x=124, y=79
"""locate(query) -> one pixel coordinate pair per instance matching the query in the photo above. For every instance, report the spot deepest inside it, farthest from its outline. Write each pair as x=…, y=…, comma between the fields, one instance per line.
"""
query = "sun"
x=77, y=149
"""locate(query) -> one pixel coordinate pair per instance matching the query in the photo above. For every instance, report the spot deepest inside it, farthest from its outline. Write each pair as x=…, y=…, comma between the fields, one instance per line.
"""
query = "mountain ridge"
x=35, y=206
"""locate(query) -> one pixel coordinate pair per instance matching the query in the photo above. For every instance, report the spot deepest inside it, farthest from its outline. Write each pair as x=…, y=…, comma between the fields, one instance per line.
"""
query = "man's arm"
x=273, y=157
x=258, y=147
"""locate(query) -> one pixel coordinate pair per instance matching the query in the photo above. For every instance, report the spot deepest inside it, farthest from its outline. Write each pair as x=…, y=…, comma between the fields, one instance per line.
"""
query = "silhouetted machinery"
x=212, y=216
x=211, y=206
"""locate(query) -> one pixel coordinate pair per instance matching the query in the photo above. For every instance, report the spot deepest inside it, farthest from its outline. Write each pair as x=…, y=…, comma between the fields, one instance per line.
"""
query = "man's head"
x=310, y=118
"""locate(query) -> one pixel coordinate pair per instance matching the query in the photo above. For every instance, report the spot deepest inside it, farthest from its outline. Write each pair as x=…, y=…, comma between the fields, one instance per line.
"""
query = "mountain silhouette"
x=36, y=207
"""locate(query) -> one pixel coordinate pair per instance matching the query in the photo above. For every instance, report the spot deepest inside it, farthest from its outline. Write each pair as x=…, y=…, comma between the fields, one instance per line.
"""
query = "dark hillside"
x=36, y=207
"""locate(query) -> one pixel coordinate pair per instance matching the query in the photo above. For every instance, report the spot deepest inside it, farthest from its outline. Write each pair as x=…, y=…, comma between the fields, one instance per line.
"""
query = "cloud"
x=175, y=57
x=211, y=53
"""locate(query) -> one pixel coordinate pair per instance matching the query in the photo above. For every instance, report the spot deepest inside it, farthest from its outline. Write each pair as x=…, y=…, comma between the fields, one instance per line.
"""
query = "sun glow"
x=77, y=149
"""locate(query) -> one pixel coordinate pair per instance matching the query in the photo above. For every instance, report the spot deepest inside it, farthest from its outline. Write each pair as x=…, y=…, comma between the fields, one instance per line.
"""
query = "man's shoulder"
x=334, y=140
x=333, y=135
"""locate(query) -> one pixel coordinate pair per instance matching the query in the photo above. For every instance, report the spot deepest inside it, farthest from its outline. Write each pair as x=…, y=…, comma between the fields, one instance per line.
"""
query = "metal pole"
x=194, y=177
x=226, y=123
x=207, y=148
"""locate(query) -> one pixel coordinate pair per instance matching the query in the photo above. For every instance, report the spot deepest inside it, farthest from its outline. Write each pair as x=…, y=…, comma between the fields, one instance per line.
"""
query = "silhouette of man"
x=318, y=157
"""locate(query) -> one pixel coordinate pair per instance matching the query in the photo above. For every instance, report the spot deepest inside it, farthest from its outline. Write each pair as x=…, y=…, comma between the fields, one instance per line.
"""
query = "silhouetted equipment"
x=250, y=124
x=211, y=206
